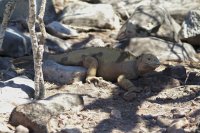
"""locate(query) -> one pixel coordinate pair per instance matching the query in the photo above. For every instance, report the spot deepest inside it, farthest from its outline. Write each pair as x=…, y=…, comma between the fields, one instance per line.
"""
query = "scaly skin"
x=110, y=64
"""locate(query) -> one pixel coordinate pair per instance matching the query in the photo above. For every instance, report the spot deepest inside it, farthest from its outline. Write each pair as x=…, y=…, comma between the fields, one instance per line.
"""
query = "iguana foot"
x=135, y=89
x=129, y=96
x=93, y=79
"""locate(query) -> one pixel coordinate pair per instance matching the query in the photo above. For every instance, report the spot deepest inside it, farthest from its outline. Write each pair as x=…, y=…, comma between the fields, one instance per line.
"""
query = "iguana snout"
x=147, y=63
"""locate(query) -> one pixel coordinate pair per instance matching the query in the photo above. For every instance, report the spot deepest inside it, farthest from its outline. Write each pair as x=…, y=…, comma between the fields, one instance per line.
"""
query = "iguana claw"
x=130, y=95
x=93, y=79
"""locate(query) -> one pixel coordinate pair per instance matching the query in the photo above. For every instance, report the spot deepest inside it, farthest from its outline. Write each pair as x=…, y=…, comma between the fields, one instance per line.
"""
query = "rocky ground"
x=170, y=98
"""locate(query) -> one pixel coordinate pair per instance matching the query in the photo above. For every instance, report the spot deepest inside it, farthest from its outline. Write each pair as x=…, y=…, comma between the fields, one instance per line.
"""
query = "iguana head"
x=147, y=63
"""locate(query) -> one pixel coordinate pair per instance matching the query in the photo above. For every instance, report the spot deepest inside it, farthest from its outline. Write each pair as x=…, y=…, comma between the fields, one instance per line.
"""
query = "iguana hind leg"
x=129, y=86
x=91, y=64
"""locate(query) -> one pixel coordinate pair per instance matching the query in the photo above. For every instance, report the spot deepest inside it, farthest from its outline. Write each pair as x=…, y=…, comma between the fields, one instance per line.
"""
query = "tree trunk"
x=38, y=49
x=10, y=6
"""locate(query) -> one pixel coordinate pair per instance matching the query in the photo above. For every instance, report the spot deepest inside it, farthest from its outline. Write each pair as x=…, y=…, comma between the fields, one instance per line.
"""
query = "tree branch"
x=10, y=6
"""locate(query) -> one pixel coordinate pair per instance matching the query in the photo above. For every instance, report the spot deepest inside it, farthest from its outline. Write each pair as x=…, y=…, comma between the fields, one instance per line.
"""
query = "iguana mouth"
x=157, y=64
x=153, y=65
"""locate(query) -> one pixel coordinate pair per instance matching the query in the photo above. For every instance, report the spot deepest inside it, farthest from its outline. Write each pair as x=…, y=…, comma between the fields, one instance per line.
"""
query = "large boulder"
x=61, y=30
x=16, y=91
x=61, y=74
x=15, y=43
x=164, y=50
x=150, y=20
x=21, y=10
x=56, y=45
x=90, y=15
x=18, y=87
x=40, y=116
x=7, y=69
x=177, y=8
x=190, y=31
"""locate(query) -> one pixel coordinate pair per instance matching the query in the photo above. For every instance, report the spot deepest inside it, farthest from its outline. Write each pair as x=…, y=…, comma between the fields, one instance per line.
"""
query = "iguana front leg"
x=129, y=86
x=91, y=64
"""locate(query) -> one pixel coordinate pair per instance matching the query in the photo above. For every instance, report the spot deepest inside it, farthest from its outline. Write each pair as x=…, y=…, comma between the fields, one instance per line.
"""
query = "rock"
x=4, y=128
x=56, y=45
x=177, y=126
x=18, y=87
x=15, y=92
x=7, y=105
x=21, y=129
x=150, y=21
x=96, y=42
x=38, y=115
x=15, y=43
x=71, y=130
x=6, y=63
x=6, y=69
x=59, y=5
x=193, y=78
x=190, y=31
x=177, y=113
x=177, y=9
x=21, y=10
x=116, y=114
x=90, y=15
x=60, y=30
x=163, y=121
x=177, y=72
x=157, y=82
x=164, y=50
x=66, y=101
x=92, y=1
x=57, y=73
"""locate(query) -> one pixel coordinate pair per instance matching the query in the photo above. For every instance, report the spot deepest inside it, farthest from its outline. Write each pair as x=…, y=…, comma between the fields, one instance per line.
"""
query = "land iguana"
x=110, y=64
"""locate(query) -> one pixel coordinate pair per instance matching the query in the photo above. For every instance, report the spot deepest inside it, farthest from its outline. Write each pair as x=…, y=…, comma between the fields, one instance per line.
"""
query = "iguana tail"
x=23, y=59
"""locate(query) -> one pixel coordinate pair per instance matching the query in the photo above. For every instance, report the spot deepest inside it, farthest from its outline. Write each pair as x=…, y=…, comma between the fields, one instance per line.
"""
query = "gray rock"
x=177, y=126
x=96, y=42
x=15, y=92
x=90, y=15
x=56, y=45
x=66, y=101
x=193, y=79
x=190, y=31
x=37, y=116
x=92, y=1
x=150, y=21
x=4, y=128
x=70, y=130
x=7, y=105
x=156, y=82
x=177, y=72
x=6, y=63
x=164, y=50
x=177, y=8
x=60, y=30
x=21, y=10
x=57, y=73
x=21, y=129
x=7, y=69
x=18, y=87
x=15, y=43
